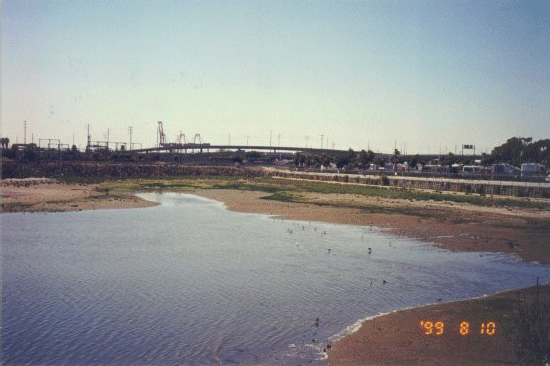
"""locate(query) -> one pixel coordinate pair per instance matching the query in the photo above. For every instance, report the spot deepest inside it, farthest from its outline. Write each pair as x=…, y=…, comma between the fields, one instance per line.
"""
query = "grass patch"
x=16, y=206
x=284, y=196
x=408, y=194
x=290, y=190
x=175, y=185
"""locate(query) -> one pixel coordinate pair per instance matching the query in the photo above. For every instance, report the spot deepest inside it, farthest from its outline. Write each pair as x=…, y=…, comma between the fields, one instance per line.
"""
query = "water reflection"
x=188, y=282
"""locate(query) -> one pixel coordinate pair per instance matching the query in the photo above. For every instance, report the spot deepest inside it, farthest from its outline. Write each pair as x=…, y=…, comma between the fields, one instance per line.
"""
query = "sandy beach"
x=47, y=195
x=393, y=339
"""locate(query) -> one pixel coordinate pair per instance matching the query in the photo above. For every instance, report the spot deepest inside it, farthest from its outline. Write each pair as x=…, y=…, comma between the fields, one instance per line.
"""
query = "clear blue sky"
x=430, y=75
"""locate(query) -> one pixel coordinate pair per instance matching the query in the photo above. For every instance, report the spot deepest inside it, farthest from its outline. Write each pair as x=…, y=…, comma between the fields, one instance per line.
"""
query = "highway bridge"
x=216, y=148
x=197, y=144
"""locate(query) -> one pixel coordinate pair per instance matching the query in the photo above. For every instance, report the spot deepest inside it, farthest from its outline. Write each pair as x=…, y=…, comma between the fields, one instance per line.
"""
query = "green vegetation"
x=16, y=207
x=519, y=150
x=182, y=184
x=406, y=194
x=514, y=151
x=529, y=331
x=294, y=190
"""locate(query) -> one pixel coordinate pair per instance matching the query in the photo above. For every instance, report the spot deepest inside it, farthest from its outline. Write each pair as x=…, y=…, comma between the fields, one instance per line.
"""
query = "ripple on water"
x=188, y=282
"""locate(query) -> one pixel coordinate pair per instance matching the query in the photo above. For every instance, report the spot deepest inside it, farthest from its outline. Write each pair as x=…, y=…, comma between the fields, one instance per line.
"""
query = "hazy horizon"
x=424, y=76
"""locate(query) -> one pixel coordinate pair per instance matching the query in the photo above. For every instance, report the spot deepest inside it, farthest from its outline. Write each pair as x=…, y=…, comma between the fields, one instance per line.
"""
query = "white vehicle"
x=547, y=179
x=531, y=170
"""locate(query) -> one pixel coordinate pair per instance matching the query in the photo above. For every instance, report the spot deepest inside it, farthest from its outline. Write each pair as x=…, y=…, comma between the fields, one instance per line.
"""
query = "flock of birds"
x=316, y=322
x=329, y=250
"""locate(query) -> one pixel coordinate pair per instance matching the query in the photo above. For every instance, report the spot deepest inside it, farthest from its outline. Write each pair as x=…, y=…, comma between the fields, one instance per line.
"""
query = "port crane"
x=182, y=142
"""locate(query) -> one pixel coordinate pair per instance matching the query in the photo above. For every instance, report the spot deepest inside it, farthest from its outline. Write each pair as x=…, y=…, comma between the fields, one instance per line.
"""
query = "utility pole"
x=307, y=137
x=322, y=137
x=89, y=139
x=130, y=131
x=270, y=134
x=25, y=132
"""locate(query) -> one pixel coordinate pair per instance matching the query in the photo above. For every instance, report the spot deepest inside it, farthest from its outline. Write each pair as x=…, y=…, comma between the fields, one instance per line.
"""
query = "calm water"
x=190, y=283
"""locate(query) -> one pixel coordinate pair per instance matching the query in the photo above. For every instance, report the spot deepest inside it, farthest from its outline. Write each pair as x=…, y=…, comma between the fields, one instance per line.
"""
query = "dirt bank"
x=47, y=195
x=399, y=339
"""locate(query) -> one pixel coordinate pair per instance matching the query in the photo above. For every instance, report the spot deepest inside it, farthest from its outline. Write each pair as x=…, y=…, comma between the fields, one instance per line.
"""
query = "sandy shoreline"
x=46, y=195
x=460, y=227
x=524, y=233
x=401, y=333
x=396, y=338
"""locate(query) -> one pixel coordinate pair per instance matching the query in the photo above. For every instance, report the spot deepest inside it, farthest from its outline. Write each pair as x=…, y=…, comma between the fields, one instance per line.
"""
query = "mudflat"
x=48, y=195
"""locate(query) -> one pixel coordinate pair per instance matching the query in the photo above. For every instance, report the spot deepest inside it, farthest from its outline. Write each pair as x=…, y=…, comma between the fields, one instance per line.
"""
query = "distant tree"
x=511, y=151
x=253, y=155
x=379, y=161
x=371, y=156
x=364, y=158
x=395, y=157
x=486, y=159
x=449, y=159
x=326, y=161
x=74, y=154
x=518, y=150
x=11, y=152
x=415, y=160
x=345, y=159
x=30, y=155
x=5, y=142
x=310, y=160
x=299, y=160
x=538, y=152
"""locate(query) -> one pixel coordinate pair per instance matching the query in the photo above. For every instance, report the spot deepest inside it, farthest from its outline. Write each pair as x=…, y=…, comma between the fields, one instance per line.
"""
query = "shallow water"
x=190, y=283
